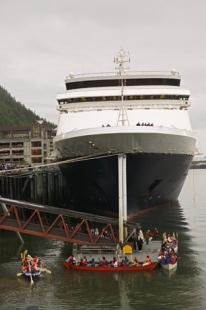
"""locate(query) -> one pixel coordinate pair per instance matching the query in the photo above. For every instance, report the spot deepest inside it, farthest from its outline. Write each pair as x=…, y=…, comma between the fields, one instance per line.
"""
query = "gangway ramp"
x=58, y=223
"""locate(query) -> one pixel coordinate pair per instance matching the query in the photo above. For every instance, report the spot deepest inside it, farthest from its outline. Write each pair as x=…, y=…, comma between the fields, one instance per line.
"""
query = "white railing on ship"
x=172, y=73
x=126, y=129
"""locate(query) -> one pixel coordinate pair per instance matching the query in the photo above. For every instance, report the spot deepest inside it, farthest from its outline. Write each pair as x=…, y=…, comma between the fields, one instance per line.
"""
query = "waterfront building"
x=32, y=146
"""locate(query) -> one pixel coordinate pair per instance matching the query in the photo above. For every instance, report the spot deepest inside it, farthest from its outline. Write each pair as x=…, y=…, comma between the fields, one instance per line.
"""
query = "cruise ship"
x=143, y=115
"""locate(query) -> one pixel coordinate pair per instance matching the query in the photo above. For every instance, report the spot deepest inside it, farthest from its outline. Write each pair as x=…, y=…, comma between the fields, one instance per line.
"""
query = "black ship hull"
x=152, y=179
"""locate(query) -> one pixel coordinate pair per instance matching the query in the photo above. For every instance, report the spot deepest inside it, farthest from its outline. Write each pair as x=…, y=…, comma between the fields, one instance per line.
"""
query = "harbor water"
x=184, y=289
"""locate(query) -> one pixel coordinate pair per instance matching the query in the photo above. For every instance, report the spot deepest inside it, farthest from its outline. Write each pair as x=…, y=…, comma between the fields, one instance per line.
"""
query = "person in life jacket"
x=103, y=262
x=34, y=264
x=26, y=263
x=173, y=259
x=114, y=262
x=135, y=262
x=84, y=261
x=71, y=260
x=147, y=261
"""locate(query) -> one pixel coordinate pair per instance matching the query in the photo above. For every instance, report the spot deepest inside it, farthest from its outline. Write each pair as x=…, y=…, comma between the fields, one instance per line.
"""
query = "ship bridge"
x=131, y=78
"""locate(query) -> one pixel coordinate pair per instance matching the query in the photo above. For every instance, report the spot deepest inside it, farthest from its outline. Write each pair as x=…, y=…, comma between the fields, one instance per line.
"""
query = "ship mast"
x=122, y=64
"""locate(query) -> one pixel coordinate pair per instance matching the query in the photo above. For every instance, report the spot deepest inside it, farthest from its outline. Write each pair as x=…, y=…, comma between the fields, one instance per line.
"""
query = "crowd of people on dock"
x=94, y=231
x=138, y=237
x=7, y=166
x=168, y=254
x=104, y=262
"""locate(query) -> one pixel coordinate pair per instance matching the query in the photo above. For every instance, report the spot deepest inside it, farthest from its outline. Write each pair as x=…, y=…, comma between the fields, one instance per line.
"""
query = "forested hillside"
x=13, y=113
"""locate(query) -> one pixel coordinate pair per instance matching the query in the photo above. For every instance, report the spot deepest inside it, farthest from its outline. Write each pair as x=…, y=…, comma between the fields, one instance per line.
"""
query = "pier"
x=43, y=186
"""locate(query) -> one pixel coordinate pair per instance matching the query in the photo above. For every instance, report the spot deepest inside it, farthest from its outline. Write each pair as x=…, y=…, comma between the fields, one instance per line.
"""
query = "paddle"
x=19, y=274
x=31, y=279
x=45, y=270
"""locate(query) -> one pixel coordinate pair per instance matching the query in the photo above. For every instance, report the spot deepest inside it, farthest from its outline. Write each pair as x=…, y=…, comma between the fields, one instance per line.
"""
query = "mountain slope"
x=13, y=113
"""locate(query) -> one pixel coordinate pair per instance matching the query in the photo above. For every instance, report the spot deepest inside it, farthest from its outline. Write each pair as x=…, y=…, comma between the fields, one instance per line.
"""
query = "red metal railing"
x=56, y=223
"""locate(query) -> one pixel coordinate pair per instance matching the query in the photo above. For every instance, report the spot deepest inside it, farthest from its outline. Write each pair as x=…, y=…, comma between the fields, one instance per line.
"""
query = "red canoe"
x=149, y=267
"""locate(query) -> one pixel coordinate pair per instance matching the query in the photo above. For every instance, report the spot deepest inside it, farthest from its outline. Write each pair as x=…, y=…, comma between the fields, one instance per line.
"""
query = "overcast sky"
x=42, y=41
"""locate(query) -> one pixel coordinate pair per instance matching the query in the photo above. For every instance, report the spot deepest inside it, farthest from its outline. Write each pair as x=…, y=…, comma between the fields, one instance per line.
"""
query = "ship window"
x=126, y=82
x=133, y=97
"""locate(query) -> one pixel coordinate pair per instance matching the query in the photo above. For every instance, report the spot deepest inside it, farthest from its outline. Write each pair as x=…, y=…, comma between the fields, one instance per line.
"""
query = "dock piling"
x=122, y=189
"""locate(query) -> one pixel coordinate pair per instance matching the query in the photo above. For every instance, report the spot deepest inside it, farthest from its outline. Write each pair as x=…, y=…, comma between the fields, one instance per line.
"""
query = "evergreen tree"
x=15, y=114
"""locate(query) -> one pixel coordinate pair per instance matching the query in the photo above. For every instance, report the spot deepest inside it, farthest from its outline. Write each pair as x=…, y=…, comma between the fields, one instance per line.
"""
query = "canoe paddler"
x=26, y=263
x=148, y=261
x=34, y=263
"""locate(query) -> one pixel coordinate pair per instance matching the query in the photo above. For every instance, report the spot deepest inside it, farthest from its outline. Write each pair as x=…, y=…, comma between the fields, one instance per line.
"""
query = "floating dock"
x=152, y=249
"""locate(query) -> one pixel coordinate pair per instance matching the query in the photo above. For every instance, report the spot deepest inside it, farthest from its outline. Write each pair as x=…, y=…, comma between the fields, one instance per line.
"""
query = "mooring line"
x=36, y=167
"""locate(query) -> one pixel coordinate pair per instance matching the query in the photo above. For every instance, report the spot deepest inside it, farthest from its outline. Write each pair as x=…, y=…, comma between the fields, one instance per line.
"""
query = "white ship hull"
x=100, y=141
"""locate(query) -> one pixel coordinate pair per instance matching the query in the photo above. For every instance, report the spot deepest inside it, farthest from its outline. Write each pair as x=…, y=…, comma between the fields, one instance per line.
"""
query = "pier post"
x=124, y=186
x=122, y=190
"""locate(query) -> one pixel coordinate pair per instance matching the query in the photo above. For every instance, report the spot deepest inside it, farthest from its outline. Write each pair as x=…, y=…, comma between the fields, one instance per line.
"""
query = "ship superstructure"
x=141, y=114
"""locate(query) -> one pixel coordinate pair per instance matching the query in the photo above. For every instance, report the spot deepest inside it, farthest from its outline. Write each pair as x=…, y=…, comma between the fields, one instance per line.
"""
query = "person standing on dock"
x=147, y=236
x=155, y=234
x=134, y=239
x=140, y=240
x=139, y=244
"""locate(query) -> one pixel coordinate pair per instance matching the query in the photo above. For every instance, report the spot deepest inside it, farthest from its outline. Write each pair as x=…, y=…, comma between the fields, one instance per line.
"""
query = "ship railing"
x=115, y=129
x=171, y=73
